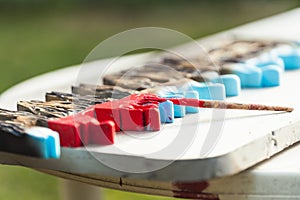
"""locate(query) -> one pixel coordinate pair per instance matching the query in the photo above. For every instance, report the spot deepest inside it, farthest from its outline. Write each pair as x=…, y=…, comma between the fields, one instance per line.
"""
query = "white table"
x=277, y=178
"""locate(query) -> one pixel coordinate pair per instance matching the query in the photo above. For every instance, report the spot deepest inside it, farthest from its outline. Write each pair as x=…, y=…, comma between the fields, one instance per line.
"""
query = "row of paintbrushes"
x=230, y=66
x=93, y=116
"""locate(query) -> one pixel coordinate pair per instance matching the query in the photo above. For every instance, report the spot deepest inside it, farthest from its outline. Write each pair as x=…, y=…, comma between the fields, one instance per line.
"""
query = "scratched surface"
x=241, y=138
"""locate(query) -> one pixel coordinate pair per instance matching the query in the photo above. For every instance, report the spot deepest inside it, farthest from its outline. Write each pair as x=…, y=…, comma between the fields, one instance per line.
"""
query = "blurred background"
x=37, y=36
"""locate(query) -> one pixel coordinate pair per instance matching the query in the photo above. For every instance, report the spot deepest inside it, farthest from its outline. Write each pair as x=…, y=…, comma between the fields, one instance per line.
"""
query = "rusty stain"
x=193, y=190
x=191, y=186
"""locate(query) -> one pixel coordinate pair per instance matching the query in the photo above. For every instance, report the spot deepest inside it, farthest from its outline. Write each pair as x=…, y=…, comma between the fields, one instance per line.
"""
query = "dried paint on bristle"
x=22, y=117
x=102, y=91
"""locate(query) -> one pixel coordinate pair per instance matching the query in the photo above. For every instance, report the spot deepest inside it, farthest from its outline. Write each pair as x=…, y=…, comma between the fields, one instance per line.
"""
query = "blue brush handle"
x=47, y=141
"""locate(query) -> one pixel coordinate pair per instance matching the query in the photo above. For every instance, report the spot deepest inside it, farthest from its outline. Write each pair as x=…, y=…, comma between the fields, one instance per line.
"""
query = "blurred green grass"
x=38, y=37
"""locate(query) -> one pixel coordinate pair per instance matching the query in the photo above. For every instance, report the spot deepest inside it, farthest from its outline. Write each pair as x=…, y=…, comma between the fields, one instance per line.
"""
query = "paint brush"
x=212, y=104
x=20, y=134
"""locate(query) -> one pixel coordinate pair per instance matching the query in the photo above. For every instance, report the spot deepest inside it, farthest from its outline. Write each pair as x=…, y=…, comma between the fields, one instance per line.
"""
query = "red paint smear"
x=192, y=190
x=150, y=98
